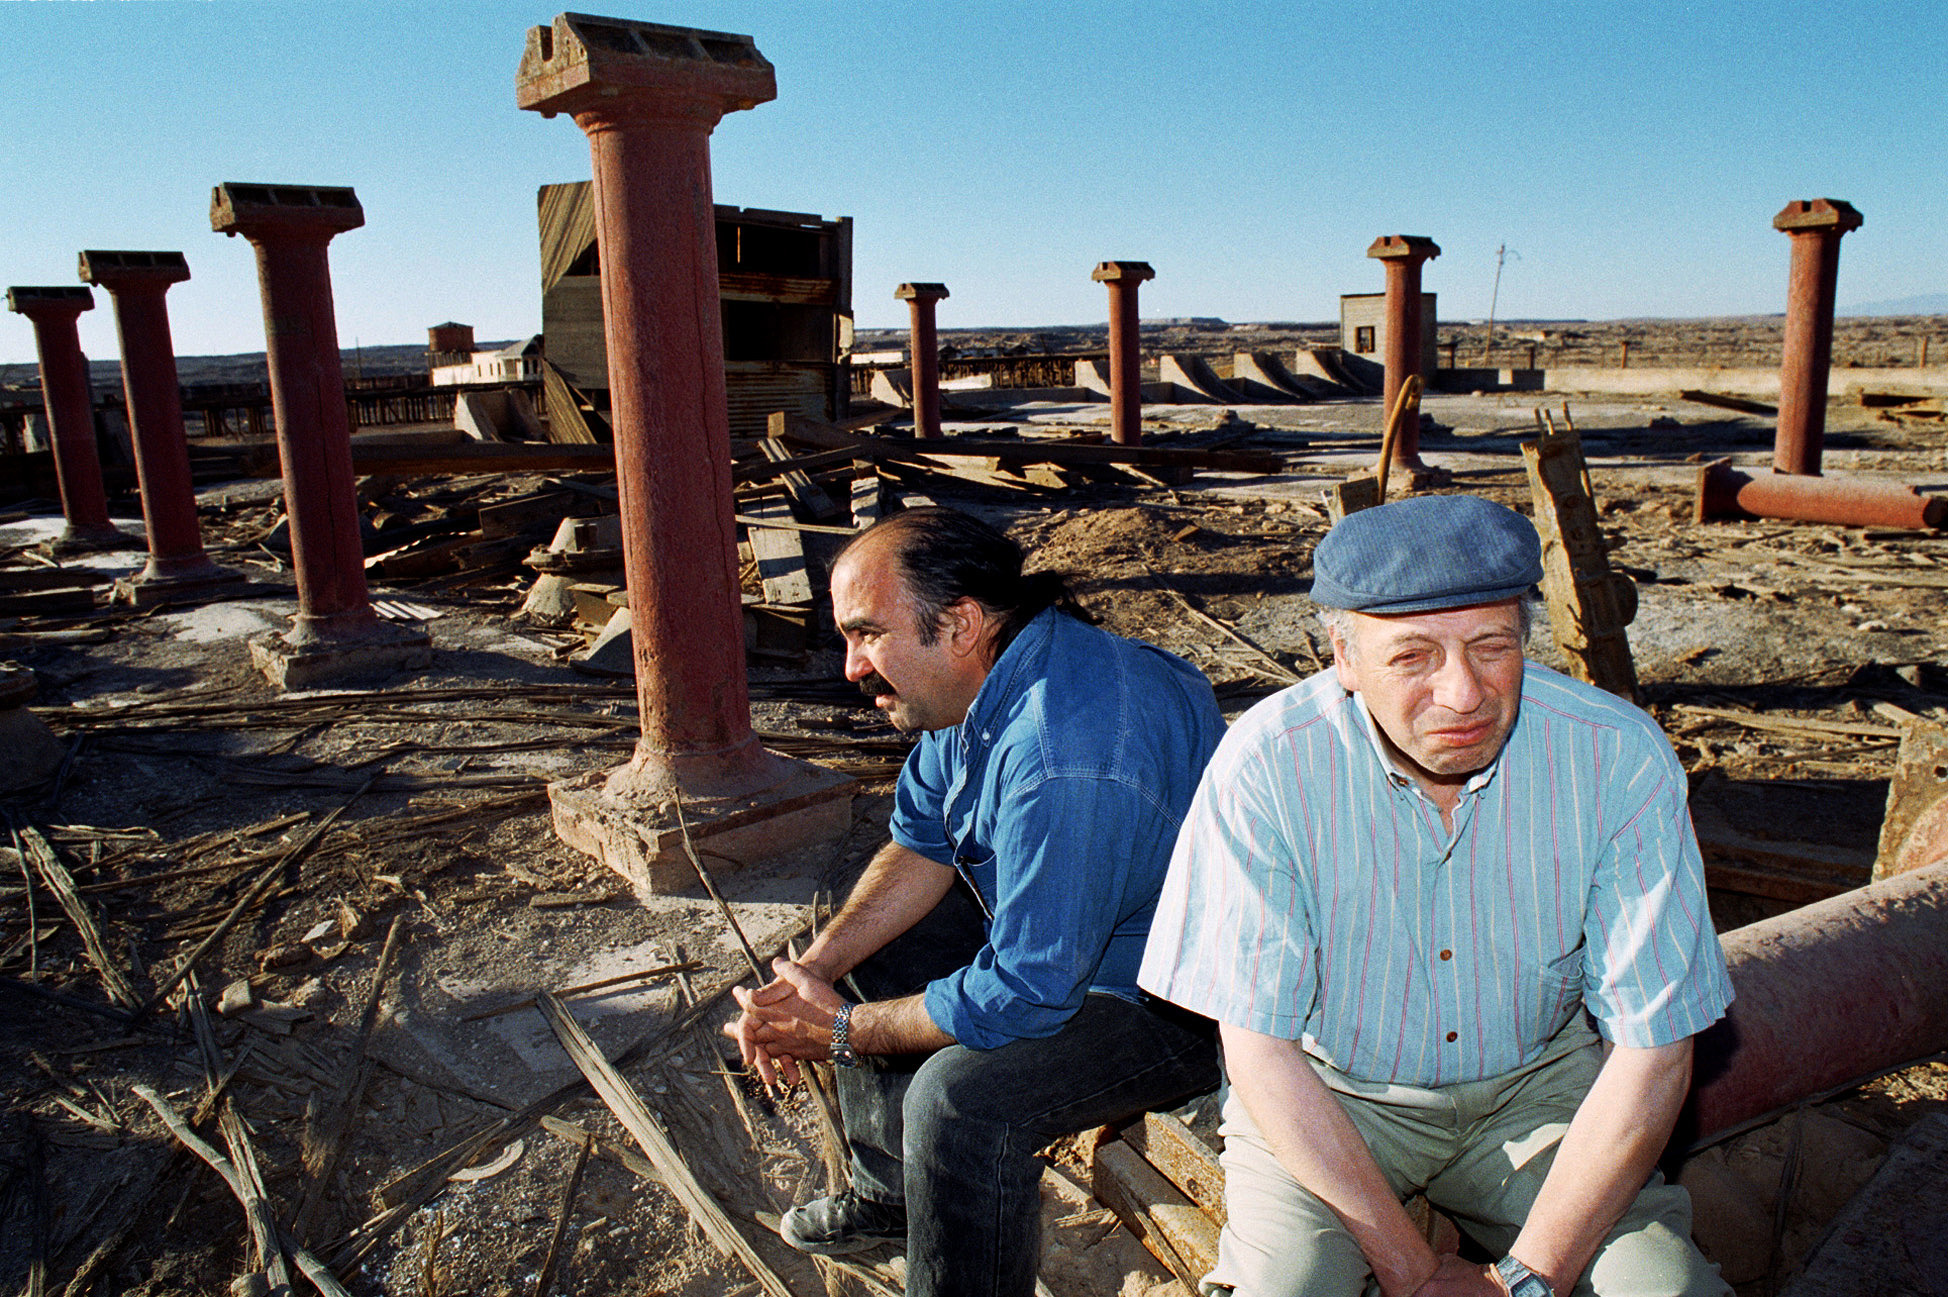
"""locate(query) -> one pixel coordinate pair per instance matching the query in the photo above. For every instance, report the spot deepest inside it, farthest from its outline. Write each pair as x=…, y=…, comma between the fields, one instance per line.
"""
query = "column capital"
x=618, y=69
x=62, y=299
x=1111, y=272
x=298, y=212
x=1818, y=215
x=1396, y=247
x=118, y=270
x=921, y=292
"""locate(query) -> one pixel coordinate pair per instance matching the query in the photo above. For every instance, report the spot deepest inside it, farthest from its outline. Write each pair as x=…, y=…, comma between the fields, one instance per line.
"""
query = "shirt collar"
x=998, y=689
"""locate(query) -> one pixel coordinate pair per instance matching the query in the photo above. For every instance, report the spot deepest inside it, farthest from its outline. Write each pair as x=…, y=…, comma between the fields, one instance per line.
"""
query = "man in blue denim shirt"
x=995, y=940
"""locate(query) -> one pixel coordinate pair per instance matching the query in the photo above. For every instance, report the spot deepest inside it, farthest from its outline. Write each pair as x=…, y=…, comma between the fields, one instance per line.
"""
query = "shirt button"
x=1451, y=1036
x=1447, y=954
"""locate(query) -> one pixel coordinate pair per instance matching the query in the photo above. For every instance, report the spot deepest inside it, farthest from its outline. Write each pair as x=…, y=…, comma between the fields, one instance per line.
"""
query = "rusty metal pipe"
x=1725, y=492
x=1125, y=348
x=1806, y=358
x=1828, y=993
x=925, y=346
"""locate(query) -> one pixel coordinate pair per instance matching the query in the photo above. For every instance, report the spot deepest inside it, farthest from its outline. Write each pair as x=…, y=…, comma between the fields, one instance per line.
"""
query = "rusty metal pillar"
x=336, y=632
x=926, y=355
x=1826, y=995
x=178, y=568
x=1403, y=256
x=648, y=97
x=68, y=397
x=1125, y=348
x=1816, y=227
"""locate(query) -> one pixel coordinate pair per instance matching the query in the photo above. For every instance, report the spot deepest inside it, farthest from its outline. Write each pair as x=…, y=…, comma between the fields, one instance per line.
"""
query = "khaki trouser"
x=1479, y=1151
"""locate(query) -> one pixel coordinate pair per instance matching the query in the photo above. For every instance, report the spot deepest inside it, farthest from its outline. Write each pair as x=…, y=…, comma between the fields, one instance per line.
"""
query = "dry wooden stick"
x=1273, y=667
x=546, y=1279
x=61, y=883
x=628, y=1108
x=266, y=1248
x=1408, y=398
x=357, y=1074
x=264, y=881
x=620, y=979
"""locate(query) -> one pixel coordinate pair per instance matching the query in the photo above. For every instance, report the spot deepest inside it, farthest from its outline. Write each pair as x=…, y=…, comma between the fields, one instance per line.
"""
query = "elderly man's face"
x=919, y=686
x=1443, y=687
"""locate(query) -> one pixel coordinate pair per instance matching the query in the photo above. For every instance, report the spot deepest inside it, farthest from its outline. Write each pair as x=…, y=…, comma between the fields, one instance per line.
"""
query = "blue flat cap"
x=1425, y=553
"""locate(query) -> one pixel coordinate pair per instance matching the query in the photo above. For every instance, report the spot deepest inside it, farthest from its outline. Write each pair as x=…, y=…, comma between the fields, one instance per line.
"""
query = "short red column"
x=1403, y=255
x=335, y=631
x=1816, y=228
x=1125, y=347
x=925, y=345
x=138, y=282
x=648, y=97
x=68, y=396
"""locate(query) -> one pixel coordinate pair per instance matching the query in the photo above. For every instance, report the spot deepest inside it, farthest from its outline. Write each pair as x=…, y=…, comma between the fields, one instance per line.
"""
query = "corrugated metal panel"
x=755, y=390
x=567, y=218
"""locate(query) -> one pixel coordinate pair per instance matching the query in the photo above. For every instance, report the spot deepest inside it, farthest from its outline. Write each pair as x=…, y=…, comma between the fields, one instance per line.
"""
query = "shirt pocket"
x=1559, y=995
x=976, y=868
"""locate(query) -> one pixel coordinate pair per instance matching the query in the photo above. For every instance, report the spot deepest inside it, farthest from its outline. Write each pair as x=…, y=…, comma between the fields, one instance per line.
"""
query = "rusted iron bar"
x=1725, y=492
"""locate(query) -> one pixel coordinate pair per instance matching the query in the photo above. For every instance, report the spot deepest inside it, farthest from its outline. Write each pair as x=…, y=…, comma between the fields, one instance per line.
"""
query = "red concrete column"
x=1403, y=255
x=68, y=396
x=1125, y=347
x=925, y=346
x=290, y=226
x=1816, y=228
x=138, y=282
x=648, y=98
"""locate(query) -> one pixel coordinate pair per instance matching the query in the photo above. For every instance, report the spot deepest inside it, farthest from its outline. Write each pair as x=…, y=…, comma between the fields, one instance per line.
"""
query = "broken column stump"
x=178, y=570
x=336, y=632
x=29, y=752
x=648, y=96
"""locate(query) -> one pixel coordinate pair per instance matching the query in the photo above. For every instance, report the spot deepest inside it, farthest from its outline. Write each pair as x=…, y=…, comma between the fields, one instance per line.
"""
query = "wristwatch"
x=843, y=1054
x=1522, y=1281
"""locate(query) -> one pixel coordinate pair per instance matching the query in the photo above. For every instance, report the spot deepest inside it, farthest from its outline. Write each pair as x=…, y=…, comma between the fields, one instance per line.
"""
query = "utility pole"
x=1488, y=350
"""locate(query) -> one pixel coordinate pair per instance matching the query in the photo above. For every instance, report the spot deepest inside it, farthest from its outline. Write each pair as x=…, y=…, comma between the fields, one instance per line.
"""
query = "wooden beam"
x=1589, y=605
x=801, y=428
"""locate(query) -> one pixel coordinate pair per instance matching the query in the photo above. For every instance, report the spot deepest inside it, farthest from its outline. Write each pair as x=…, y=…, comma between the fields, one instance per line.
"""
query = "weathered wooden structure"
x=785, y=284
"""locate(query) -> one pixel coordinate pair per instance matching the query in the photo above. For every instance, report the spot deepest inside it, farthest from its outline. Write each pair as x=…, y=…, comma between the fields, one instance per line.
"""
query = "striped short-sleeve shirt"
x=1315, y=894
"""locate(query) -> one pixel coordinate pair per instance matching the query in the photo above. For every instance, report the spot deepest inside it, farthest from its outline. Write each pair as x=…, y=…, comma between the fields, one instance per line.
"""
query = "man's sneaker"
x=842, y=1224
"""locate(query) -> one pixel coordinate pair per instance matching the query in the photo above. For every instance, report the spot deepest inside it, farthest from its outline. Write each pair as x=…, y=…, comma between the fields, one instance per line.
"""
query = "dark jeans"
x=954, y=1134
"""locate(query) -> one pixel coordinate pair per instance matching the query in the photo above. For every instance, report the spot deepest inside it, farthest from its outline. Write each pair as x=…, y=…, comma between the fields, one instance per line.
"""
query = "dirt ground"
x=189, y=781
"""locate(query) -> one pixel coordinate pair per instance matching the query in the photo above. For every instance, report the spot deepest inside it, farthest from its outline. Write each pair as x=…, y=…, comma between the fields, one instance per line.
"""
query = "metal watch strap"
x=843, y=1054
x=1522, y=1281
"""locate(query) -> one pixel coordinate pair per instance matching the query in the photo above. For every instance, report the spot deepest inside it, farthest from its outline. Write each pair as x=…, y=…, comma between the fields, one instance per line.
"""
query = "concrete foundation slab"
x=388, y=648
x=1893, y=1236
x=638, y=836
x=141, y=591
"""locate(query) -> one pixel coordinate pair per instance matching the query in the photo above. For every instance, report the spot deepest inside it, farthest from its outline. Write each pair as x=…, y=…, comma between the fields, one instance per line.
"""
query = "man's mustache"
x=876, y=684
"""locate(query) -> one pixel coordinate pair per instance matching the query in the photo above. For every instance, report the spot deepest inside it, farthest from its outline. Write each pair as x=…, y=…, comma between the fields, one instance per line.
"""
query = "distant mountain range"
x=1924, y=304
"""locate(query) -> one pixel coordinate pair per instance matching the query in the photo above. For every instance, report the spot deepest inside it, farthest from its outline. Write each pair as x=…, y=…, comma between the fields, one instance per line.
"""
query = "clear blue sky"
x=1632, y=154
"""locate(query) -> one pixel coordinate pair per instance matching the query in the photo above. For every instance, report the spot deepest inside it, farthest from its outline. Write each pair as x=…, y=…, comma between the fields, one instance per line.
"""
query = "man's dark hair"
x=945, y=555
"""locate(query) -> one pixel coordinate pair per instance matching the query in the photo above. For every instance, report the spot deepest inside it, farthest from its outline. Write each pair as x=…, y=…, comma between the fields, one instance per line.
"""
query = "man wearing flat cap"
x=1448, y=910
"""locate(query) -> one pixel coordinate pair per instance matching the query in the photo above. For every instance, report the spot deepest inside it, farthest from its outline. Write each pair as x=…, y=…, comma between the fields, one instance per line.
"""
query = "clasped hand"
x=787, y=1019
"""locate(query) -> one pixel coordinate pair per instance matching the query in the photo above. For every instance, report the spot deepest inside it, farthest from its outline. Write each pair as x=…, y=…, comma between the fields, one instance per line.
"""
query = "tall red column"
x=336, y=631
x=1816, y=228
x=138, y=282
x=69, y=399
x=1125, y=347
x=1403, y=255
x=926, y=355
x=648, y=97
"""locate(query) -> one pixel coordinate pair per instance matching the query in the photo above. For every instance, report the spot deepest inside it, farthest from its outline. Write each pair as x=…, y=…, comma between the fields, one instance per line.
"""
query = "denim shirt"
x=1058, y=800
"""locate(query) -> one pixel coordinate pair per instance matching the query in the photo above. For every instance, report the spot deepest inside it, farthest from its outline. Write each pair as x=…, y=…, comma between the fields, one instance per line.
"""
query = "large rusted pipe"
x=1125, y=347
x=1816, y=227
x=1826, y=995
x=67, y=395
x=1725, y=492
x=925, y=346
x=1403, y=255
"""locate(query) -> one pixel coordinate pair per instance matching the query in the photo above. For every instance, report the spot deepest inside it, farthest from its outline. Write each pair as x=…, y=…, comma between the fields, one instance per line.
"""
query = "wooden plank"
x=815, y=502
x=1789, y=724
x=267, y=1249
x=778, y=465
x=1723, y=402
x=785, y=425
x=1589, y=605
x=1185, y=1160
x=1350, y=496
x=61, y=883
x=868, y=499
x=627, y=1105
x=1174, y=1228
x=780, y=554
